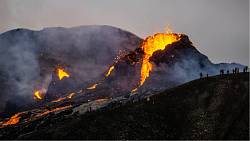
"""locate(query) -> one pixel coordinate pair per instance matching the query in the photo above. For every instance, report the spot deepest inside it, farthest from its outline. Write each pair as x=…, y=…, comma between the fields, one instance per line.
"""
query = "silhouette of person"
x=245, y=69
x=221, y=72
x=201, y=75
x=90, y=109
x=237, y=70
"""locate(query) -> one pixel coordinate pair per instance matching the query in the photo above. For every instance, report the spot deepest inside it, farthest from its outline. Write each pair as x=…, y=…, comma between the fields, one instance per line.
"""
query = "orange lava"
x=37, y=95
x=13, y=120
x=58, y=100
x=63, y=98
x=70, y=95
x=53, y=110
x=151, y=44
x=62, y=73
x=92, y=87
x=109, y=71
x=134, y=90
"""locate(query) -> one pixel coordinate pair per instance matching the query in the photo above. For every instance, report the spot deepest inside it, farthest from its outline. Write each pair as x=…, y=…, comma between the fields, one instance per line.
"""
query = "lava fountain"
x=151, y=44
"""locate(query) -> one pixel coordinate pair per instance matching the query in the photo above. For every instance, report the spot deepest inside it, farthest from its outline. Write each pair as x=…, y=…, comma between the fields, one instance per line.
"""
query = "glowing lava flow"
x=53, y=110
x=92, y=87
x=106, y=75
x=37, y=95
x=70, y=95
x=109, y=71
x=151, y=44
x=13, y=120
x=61, y=74
x=134, y=90
x=58, y=100
x=64, y=98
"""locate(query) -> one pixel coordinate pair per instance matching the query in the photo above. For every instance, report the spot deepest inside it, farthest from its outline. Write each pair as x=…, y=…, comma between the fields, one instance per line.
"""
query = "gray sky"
x=218, y=28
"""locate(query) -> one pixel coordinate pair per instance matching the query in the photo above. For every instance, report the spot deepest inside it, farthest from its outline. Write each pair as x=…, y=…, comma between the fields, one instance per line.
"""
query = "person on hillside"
x=221, y=72
x=245, y=69
x=238, y=70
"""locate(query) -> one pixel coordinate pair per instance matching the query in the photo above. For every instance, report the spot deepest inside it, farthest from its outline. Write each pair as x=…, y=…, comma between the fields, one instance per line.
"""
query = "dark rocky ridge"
x=210, y=108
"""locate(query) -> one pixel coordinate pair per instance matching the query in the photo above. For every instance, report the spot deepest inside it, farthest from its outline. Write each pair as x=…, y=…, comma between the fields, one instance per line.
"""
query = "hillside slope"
x=29, y=58
x=209, y=108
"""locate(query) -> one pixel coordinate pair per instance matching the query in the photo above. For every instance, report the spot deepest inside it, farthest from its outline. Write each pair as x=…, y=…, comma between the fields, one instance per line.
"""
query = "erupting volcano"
x=93, y=79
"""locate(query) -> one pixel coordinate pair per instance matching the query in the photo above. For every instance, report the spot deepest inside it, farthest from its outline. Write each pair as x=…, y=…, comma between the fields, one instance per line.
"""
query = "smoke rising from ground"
x=19, y=63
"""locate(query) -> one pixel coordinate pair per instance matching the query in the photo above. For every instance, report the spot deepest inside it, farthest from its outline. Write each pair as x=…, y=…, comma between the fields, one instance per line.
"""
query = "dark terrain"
x=216, y=107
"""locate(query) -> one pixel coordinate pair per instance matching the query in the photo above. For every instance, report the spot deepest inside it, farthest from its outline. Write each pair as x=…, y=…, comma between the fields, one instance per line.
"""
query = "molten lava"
x=134, y=90
x=151, y=44
x=59, y=99
x=13, y=120
x=92, y=87
x=61, y=74
x=64, y=98
x=101, y=101
x=70, y=95
x=37, y=95
x=109, y=71
x=53, y=110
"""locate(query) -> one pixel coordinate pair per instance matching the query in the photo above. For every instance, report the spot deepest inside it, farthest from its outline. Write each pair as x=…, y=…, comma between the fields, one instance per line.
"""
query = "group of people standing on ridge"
x=235, y=70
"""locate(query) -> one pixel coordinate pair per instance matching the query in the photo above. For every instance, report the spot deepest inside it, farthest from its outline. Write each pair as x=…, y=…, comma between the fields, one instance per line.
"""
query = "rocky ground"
x=209, y=108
